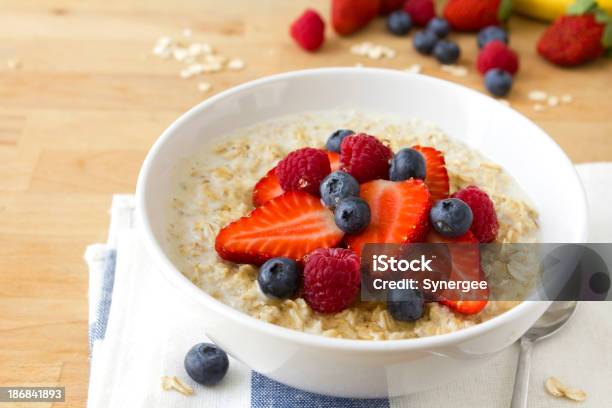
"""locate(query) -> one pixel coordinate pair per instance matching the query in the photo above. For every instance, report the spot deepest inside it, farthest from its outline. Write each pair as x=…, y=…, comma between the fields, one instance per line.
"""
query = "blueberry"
x=337, y=186
x=407, y=163
x=406, y=305
x=424, y=41
x=206, y=363
x=446, y=52
x=279, y=277
x=439, y=27
x=334, y=140
x=451, y=217
x=498, y=81
x=491, y=33
x=399, y=23
x=352, y=215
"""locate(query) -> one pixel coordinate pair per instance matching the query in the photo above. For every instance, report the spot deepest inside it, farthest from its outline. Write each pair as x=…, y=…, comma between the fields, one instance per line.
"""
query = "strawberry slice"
x=292, y=225
x=436, y=176
x=334, y=160
x=400, y=213
x=465, y=256
x=269, y=186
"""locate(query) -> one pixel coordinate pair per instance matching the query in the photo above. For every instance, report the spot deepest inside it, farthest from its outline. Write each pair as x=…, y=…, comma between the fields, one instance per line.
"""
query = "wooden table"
x=88, y=99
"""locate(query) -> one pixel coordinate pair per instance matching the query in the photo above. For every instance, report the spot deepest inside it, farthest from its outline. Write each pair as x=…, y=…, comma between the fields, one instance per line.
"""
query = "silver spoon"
x=550, y=323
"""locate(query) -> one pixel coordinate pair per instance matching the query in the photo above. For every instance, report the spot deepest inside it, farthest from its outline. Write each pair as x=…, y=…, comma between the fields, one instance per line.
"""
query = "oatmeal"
x=215, y=188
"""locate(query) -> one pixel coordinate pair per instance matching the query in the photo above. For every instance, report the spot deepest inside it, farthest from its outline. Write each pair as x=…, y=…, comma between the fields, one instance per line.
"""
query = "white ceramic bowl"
x=357, y=368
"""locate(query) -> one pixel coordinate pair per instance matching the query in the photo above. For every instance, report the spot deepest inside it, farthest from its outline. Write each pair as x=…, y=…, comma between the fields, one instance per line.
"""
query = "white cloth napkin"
x=139, y=333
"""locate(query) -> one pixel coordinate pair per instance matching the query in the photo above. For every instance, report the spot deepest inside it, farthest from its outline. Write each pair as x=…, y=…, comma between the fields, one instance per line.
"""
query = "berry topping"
x=496, y=54
x=303, y=170
x=331, y=279
x=279, y=277
x=399, y=213
x=335, y=139
x=421, y=11
x=334, y=160
x=399, y=23
x=465, y=266
x=491, y=33
x=290, y=225
x=439, y=27
x=451, y=217
x=498, y=82
x=308, y=30
x=424, y=42
x=337, y=186
x=406, y=305
x=206, y=363
x=436, y=176
x=352, y=215
x=267, y=188
x=472, y=15
x=348, y=16
x=446, y=52
x=407, y=163
x=365, y=157
x=485, y=224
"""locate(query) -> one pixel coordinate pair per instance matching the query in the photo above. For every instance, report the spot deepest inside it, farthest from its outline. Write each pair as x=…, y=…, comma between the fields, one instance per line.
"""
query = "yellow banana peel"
x=550, y=9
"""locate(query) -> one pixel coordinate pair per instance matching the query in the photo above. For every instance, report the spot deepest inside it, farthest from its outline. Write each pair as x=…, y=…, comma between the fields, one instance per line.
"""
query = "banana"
x=550, y=9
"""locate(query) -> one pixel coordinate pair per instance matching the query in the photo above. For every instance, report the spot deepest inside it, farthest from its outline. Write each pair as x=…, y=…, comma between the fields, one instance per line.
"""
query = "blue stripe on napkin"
x=97, y=329
x=266, y=392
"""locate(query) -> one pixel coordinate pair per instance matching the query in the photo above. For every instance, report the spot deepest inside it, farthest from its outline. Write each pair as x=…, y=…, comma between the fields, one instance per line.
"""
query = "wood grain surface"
x=88, y=99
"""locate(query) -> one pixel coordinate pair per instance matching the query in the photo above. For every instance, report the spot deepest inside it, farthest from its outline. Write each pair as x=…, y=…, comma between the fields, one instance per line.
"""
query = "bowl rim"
x=171, y=272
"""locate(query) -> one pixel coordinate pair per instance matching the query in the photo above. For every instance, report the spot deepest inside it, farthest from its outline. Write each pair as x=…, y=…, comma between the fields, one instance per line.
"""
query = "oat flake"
x=556, y=388
x=175, y=383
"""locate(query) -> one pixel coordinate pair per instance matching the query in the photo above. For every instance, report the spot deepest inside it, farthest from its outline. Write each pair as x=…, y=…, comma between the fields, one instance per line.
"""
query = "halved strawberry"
x=465, y=261
x=267, y=188
x=400, y=213
x=334, y=160
x=292, y=225
x=436, y=176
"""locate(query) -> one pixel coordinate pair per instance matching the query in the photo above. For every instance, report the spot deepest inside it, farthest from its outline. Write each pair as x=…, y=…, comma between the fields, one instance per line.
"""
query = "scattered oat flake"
x=414, y=69
x=455, y=70
x=537, y=95
x=538, y=107
x=235, y=64
x=553, y=101
x=556, y=388
x=204, y=87
x=175, y=383
x=566, y=98
x=372, y=51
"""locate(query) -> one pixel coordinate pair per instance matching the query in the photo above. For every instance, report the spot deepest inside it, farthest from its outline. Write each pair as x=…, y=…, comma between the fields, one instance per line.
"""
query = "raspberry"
x=303, y=170
x=309, y=30
x=485, y=224
x=496, y=54
x=331, y=279
x=365, y=157
x=421, y=11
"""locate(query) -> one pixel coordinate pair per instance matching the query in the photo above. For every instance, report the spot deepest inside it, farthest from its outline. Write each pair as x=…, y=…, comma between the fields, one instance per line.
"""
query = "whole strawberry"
x=349, y=16
x=308, y=30
x=421, y=11
x=472, y=15
x=578, y=37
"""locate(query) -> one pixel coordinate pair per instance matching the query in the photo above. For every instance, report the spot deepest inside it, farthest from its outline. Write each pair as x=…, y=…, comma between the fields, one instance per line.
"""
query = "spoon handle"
x=521, y=379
